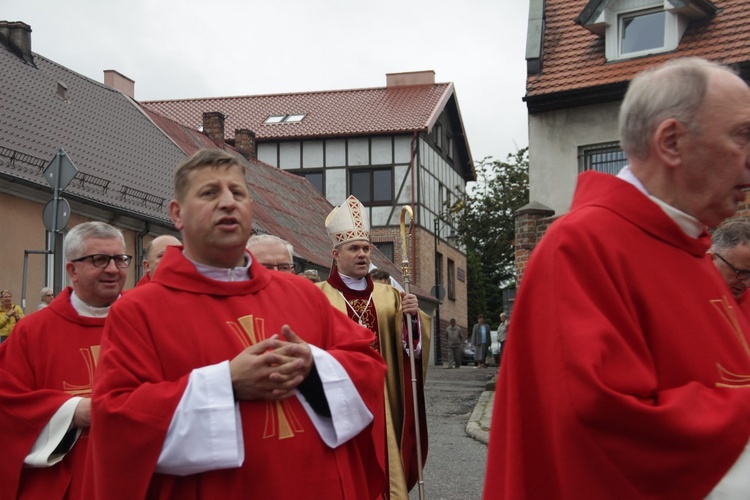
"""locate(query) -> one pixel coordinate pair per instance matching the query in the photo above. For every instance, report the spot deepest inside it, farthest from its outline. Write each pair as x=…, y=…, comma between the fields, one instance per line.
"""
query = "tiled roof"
x=286, y=205
x=105, y=134
x=111, y=139
x=573, y=57
x=329, y=113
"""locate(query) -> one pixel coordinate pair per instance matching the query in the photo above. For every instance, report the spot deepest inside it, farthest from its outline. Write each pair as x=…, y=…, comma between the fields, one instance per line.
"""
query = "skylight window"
x=293, y=118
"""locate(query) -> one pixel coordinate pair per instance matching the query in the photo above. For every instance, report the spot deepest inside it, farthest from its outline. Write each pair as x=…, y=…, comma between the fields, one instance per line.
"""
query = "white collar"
x=223, y=274
x=354, y=283
x=689, y=224
x=87, y=310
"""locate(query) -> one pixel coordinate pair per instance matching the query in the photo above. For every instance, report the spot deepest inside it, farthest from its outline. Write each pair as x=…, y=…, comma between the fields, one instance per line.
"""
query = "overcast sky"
x=196, y=48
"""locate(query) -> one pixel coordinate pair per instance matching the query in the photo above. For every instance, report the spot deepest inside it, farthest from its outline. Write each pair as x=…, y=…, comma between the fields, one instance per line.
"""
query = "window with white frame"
x=637, y=28
x=641, y=32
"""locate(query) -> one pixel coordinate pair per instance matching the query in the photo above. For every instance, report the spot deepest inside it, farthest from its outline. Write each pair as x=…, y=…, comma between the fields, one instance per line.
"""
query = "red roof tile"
x=573, y=57
x=341, y=112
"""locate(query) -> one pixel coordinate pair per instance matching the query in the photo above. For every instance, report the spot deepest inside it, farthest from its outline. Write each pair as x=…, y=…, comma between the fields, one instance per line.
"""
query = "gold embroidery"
x=280, y=417
x=90, y=357
x=729, y=314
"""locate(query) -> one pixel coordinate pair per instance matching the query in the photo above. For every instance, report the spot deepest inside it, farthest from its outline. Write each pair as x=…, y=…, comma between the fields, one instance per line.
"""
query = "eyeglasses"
x=284, y=268
x=741, y=274
x=101, y=260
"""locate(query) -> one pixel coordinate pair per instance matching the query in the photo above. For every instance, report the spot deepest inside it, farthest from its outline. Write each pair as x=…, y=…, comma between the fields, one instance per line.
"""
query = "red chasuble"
x=157, y=334
x=49, y=358
x=627, y=368
x=378, y=307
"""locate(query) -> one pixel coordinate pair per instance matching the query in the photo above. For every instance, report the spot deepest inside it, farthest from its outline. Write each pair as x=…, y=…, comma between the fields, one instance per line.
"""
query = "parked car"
x=468, y=353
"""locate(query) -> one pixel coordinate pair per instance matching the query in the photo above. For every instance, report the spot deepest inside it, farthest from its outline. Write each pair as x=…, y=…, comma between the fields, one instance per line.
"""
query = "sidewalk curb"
x=478, y=426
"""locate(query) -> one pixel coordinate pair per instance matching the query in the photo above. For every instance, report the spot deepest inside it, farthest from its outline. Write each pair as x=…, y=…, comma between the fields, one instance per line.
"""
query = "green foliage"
x=484, y=220
x=476, y=296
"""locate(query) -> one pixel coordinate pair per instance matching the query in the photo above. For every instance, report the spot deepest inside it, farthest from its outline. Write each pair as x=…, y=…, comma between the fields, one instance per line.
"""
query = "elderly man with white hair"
x=628, y=371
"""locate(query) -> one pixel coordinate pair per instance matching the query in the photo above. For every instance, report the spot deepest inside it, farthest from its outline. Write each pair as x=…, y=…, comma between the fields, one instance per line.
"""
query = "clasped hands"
x=272, y=368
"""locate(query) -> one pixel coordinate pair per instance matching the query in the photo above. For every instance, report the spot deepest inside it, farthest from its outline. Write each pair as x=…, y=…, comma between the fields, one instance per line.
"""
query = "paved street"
x=455, y=463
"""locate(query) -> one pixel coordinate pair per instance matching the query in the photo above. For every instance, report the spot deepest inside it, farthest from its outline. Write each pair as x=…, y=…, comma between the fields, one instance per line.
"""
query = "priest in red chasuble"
x=627, y=369
x=223, y=379
x=382, y=309
x=47, y=370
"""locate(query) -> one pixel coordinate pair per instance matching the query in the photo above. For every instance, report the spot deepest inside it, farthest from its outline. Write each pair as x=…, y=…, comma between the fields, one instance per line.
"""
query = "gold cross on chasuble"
x=90, y=357
x=280, y=418
x=729, y=314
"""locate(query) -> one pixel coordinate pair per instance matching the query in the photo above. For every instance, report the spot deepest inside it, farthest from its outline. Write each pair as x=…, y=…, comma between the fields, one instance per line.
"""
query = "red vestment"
x=627, y=368
x=157, y=334
x=49, y=358
x=145, y=279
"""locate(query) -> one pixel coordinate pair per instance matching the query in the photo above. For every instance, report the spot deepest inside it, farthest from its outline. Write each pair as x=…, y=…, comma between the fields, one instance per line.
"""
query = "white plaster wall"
x=312, y=154
x=359, y=151
x=554, y=138
x=336, y=185
x=402, y=143
x=382, y=150
x=336, y=153
x=290, y=155
x=267, y=153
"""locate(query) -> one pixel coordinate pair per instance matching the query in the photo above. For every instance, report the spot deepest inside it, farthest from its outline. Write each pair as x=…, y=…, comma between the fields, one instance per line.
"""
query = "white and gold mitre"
x=349, y=222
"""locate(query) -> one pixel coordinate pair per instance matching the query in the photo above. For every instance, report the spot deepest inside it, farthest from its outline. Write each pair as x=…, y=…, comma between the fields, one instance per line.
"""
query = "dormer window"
x=635, y=28
x=641, y=32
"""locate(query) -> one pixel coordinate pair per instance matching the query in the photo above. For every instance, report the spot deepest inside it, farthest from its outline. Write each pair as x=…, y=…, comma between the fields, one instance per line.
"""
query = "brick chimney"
x=410, y=78
x=213, y=127
x=244, y=142
x=17, y=37
x=120, y=82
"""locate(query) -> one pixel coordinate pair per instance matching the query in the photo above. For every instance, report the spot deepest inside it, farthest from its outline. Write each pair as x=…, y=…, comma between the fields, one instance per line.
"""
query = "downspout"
x=413, y=162
x=139, y=252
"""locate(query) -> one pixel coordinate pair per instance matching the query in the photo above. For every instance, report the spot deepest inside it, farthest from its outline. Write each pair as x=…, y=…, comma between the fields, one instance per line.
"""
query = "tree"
x=484, y=220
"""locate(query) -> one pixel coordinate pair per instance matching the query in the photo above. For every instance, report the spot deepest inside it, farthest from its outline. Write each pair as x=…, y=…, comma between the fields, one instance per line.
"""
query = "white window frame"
x=621, y=28
x=674, y=26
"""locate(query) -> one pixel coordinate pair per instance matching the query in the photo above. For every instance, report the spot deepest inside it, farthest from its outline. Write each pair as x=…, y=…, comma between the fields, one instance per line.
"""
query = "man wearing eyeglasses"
x=272, y=252
x=48, y=366
x=628, y=375
x=730, y=252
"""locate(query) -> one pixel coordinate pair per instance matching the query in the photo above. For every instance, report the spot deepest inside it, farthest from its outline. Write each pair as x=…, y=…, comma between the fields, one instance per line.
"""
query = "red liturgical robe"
x=49, y=358
x=157, y=334
x=627, y=369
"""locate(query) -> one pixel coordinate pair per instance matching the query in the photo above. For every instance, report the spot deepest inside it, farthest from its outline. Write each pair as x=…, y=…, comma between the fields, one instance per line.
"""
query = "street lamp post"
x=439, y=292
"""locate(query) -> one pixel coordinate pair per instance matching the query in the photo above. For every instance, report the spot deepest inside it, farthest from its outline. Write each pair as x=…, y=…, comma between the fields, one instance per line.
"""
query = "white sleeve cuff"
x=206, y=430
x=349, y=414
x=41, y=454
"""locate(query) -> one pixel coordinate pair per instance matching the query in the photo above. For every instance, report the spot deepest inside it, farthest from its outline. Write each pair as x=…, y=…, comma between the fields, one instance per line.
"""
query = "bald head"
x=155, y=252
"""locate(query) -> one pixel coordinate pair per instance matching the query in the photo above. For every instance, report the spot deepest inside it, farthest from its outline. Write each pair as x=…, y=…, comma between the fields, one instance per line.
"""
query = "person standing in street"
x=9, y=315
x=455, y=343
x=480, y=339
x=502, y=334
x=47, y=295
